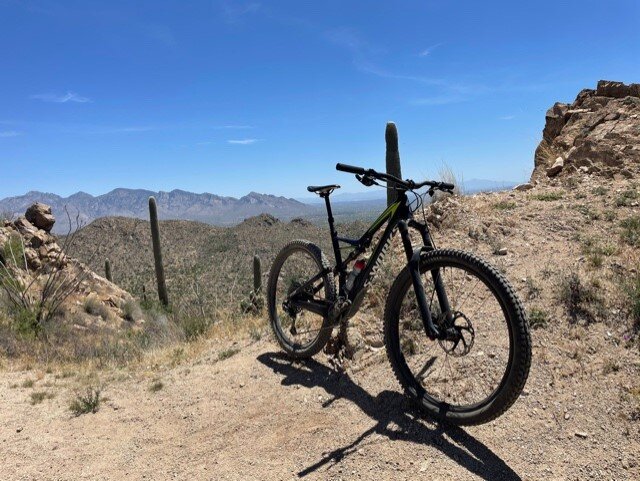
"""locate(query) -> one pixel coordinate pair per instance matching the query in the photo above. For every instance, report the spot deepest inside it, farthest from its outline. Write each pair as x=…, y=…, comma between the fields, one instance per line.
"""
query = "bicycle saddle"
x=322, y=189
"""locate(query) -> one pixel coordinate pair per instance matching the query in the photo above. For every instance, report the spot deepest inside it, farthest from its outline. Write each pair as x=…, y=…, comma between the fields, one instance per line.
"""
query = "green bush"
x=581, y=300
x=626, y=198
x=547, y=196
x=86, y=402
x=631, y=231
x=538, y=318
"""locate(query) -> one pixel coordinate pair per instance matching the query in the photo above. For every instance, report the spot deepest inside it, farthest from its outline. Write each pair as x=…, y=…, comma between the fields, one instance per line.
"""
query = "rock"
x=523, y=187
x=581, y=434
x=502, y=251
x=39, y=238
x=556, y=167
x=608, y=88
x=599, y=130
x=24, y=226
x=40, y=216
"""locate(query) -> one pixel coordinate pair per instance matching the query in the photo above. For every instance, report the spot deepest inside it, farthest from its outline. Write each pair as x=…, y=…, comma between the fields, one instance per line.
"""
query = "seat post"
x=332, y=230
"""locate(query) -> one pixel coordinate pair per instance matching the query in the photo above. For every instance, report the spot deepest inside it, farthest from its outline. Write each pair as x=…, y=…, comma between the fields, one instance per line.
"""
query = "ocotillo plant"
x=392, y=159
x=257, y=282
x=157, y=251
x=107, y=270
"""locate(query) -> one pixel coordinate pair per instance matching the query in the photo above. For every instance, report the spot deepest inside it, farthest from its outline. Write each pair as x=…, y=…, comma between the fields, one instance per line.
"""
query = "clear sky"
x=234, y=96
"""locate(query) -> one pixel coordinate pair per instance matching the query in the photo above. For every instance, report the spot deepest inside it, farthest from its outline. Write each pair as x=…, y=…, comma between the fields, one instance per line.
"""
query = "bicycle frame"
x=396, y=216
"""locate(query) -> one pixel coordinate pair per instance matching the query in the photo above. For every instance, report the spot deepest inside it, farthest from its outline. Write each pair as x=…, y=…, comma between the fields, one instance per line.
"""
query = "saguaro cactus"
x=392, y=159
x=257, y=274
x=157, y=251
x=257, y=282
x=107, y=270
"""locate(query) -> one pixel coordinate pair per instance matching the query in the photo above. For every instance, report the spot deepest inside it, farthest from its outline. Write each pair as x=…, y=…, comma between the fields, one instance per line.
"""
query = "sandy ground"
x=258, y=416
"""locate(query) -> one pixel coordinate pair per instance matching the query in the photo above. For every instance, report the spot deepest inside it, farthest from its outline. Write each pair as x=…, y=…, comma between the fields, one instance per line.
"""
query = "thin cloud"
x=9, y=133
x=61, y=99
x=233, y=13
x=243, y=141
x=232, y=127
x=507, y=117
x=429, y=50
x=439, y=100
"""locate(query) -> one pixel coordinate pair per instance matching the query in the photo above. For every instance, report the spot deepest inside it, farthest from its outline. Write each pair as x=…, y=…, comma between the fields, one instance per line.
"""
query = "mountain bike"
x=455, y=332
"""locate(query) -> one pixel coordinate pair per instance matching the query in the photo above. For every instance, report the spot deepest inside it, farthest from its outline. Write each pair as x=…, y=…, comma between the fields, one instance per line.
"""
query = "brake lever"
x=365, y=180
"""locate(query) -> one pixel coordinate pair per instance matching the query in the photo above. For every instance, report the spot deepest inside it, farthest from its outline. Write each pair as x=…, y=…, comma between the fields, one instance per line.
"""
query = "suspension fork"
x=443, y=299
x=413, y=259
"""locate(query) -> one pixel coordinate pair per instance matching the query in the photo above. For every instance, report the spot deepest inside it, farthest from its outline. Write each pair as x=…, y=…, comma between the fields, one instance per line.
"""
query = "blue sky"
x=229, y=97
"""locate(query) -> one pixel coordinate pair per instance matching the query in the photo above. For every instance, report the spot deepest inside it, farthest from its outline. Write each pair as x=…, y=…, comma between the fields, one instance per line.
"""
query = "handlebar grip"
x=350, y=168
x=447, y=186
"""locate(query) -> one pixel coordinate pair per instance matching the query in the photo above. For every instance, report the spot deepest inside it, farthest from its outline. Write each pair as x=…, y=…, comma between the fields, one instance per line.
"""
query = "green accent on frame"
x=386, y=215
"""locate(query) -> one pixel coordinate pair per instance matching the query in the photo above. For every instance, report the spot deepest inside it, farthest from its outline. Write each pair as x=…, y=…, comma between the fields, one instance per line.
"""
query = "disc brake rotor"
x=462, y=336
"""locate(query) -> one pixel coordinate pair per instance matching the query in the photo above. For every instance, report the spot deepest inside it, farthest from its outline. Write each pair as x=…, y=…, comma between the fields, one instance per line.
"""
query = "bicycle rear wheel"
x=477, y=378
x=300, y=333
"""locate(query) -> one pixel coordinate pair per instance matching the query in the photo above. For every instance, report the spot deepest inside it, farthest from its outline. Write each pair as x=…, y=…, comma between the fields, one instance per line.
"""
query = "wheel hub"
x=459, y=336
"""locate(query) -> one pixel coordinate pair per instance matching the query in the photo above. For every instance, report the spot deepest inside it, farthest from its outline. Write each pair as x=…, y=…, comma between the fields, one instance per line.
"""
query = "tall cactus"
x=257, y=274
x=392, y=159
x=157, y=251
x=107, y=270
x=257, y=282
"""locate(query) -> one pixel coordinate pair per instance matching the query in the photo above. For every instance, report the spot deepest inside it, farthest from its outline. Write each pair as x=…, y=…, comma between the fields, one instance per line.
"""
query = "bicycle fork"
x=413, y=258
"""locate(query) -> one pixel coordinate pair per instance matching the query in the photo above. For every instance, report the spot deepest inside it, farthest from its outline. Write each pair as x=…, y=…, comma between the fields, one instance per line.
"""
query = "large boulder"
x=599, y=133
x=40, y=216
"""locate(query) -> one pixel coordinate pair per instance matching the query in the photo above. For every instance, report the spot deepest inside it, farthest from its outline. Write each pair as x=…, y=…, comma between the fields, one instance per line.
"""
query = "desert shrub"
x=446, y=174
x=595, y=252
x=156, y=385
x=504, y=205
x=632, y=290
x=532, y=288
x=538, y=318
x=631, y=231
x=94, y=306
x=600, y=190
x=38, y=396
x=193, y=327
x=86, y=402
x=580, y=300
x=131, y=310
x=547, y=196
x=626, y=198
x=12, y=254
x=227, y=353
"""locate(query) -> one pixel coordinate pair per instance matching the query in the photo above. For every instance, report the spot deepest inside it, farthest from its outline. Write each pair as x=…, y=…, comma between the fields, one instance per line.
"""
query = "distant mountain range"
x=470, y=186
x=210, y=208
x=177, y=204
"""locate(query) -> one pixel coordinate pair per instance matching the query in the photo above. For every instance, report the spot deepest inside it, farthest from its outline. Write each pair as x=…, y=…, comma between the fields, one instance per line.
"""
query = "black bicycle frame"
x=397, y=216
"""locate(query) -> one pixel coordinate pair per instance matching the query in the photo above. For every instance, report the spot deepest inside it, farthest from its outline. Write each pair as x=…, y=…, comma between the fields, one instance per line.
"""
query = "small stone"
x=19, y=429
x=502, y=251
x=556, y=167
x=523, y=187
x=581, y=434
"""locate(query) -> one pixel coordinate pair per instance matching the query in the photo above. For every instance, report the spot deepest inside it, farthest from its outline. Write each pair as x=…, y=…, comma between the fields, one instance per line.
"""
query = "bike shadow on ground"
x=395, y=419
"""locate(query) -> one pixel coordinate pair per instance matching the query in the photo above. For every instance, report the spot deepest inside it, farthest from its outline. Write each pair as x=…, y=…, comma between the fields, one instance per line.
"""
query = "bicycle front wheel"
x=477, y=376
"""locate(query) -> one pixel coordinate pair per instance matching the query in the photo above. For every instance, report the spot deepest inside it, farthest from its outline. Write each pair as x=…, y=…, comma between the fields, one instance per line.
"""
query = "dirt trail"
x=257, y=416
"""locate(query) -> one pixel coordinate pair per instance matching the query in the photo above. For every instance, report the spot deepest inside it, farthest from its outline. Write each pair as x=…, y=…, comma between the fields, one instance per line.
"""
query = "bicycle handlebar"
x=407, y=184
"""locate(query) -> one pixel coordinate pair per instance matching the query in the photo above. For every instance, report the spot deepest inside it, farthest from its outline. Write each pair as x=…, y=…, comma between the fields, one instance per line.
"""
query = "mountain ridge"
x=175, y=204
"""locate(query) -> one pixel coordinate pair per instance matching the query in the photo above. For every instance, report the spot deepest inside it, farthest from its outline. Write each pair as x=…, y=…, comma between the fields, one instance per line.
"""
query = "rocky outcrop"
x=31, y=258
x=599, y=133
x=40, y=216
